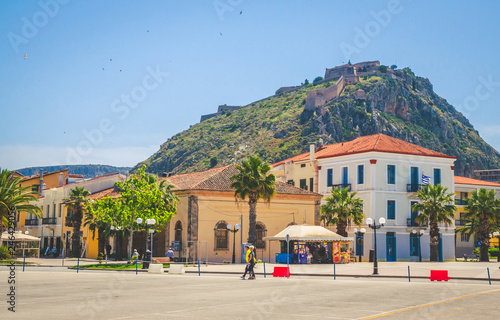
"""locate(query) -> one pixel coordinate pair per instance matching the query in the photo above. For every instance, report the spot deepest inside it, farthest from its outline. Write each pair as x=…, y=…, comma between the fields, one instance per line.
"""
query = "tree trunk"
x=484, y=238
x=130, y=244
x=252, y=230
x=341, y=227
x=101, y=241
x=75, y=238
x=118, y=246
x=434, y=241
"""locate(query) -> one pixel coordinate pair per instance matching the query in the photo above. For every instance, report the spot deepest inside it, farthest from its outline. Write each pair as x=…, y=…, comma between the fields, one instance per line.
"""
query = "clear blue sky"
x=176, y=66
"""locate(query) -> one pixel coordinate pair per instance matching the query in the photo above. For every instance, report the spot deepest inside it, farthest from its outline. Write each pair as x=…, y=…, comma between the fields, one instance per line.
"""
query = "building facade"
x=386, y=173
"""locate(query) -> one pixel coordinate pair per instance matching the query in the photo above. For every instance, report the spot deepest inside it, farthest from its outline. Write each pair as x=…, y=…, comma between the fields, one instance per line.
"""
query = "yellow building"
x=207, y=206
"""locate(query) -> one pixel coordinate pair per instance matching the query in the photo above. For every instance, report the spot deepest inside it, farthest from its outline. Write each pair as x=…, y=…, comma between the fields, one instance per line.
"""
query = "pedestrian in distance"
x=251, y=261
x=247, y=266
x=170, y=254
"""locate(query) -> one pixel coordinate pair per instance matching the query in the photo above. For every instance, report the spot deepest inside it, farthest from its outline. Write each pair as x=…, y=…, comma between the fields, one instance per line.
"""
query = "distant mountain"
x=394, y=102
x=87, y=170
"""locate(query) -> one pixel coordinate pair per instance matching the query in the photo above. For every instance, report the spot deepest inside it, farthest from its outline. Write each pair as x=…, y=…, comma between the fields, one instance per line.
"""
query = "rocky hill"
x=395, y=103
x=87, y=170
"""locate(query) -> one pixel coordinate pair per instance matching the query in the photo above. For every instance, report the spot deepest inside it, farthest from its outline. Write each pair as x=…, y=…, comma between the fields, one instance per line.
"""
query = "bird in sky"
x=220, y=33
x=25, y=55
x=241, y=12
x=110, y=59
x=102, y=69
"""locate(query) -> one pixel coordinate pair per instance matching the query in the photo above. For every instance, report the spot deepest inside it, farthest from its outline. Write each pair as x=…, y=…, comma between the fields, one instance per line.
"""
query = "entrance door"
x=391, y=246
x=359, y=245
x=440, y=248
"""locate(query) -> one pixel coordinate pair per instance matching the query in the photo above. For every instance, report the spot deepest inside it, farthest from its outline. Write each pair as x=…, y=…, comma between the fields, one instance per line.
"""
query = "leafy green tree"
x=382, y=69
x=141, y=196
x=13, y=195
x=254, y=181
x=316, y=80
x=393, y=67
x=483, y=216
x=341, y=208
x=213, y=161
x=77, y=202
x=437, y=206
x=100, y=216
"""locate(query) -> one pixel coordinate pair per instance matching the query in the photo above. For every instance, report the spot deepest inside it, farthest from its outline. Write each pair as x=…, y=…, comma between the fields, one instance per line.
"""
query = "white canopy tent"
x=308, y=233
x=23, y=242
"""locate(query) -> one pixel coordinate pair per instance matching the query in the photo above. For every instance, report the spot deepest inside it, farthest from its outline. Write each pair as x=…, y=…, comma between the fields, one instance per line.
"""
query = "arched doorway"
x=178, y=235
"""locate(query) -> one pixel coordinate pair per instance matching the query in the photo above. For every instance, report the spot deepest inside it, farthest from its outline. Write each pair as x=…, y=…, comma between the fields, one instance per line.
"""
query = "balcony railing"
x=49, y=220
x=460, y=222
x=413, y=187
x=460, y=202
x=31, y=222
x=342, y=186
x=410, y=222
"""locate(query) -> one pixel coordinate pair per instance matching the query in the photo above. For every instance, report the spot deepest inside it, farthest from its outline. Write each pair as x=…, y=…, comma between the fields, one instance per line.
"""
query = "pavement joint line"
x=425, y=305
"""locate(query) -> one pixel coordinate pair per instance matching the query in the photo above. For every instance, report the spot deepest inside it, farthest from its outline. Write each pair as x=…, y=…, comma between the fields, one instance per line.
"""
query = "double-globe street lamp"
x=149, y=222
x=360, y=234
x=234, y=230
x=419, y=234
x=371, y=223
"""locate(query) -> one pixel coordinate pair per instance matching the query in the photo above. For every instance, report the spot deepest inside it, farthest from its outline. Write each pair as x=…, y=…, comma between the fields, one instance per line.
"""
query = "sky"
x=107, y=82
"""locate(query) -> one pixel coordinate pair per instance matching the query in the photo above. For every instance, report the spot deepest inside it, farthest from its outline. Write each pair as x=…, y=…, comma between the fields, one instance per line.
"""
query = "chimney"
x=60, y=179
x=41, y=183
x=320, y=142
x=312, y=150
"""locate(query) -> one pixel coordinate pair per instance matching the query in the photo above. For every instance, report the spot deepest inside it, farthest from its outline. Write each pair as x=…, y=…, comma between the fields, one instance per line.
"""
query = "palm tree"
x=483, y=215
x=437, y=206
x=12, y=195
x=341, y=208
x=77, y=202
x=255, y=182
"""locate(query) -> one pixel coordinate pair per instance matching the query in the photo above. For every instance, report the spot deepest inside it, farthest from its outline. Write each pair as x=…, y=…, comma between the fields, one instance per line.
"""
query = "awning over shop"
x=19, y=236
x=308, y=233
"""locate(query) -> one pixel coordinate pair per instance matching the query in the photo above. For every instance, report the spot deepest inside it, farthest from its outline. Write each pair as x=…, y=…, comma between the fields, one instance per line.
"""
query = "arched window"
x=178, y=233
x=221, y=236
x=261, y=233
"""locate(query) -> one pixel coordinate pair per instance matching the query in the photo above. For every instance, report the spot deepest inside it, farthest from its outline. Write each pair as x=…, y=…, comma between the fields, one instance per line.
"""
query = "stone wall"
x=319, y=98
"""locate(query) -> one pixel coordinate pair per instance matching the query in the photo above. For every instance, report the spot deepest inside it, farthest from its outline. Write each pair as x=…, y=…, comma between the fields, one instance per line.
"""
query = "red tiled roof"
x=373, y=143
x=104, y=193
x=74, y=175
x=464, y=180
x=44, y=174
x=219, y=179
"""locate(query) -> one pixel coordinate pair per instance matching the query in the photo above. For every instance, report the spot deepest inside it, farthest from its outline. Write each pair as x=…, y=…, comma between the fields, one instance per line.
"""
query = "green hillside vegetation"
x=87, y=170
x=278, y=127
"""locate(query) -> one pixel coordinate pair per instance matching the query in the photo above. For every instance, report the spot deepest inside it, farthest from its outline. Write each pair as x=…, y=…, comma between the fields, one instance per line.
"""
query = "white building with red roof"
x=386, y=173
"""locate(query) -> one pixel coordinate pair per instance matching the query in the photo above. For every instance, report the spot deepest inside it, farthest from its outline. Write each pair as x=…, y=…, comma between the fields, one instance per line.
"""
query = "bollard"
x=135, y=266
x=409, y=274
x=264, y=269
x=78, y=265
x=24, y=262
x=334, y=273
x=199, y=274
x=489, y=279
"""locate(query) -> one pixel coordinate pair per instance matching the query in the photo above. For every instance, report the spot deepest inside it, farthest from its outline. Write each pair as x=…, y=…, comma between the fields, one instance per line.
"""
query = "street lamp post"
x=419, y=234
x=234, y=230
x=360, y=234
x=371, y=223
x=149, y=222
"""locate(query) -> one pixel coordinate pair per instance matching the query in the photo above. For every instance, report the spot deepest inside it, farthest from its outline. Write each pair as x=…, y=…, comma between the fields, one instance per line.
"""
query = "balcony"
x=413, y=187
x=460, y=202
x=410, y=222
x=342, y=186
x=49, y=220
x=460, y=222
x=31, y=222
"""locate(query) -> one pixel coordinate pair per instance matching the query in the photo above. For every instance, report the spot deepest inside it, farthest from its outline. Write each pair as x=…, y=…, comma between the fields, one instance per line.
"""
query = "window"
x=311, y=184
x=329, y=177
x=345, y=175
x=303, y=165
x=413, y=245
x=361, y=174
x=437, y=176
x=48, y=211
x=391, y=209
x=463, y=237
x=60, y=210
x=391, y=174
x=221, y=236
x=54, y=210
x=261, y=233
x=303, y=184
x=291, y=182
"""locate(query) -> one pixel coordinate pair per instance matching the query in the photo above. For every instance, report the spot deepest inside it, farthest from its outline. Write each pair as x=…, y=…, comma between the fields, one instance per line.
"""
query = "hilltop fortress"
x=342, y=75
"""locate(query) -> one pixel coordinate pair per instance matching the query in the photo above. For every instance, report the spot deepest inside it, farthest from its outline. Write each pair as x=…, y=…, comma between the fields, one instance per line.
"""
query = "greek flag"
x=425, y=179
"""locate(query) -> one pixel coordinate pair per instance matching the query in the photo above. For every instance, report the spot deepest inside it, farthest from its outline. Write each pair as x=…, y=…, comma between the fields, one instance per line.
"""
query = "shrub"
x=382, y=69
x=493, y=252
x=4, y=252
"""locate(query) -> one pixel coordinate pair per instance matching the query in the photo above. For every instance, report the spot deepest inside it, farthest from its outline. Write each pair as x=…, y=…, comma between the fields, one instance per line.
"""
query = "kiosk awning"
x=308, y=233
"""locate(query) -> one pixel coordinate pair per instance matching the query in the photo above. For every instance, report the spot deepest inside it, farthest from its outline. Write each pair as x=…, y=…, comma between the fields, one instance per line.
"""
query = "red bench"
x=439, y=275
x=281, y=272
